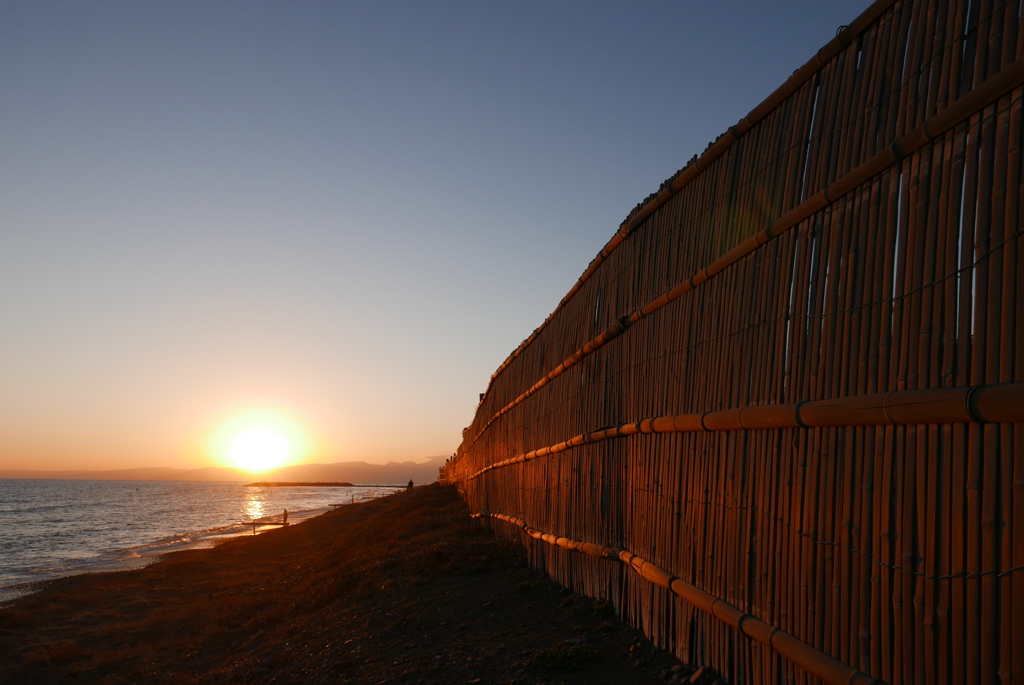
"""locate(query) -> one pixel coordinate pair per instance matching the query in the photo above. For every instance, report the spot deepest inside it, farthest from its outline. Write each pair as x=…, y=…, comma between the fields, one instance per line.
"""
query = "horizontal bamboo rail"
x=846, y=35
x=814, y=661
x=1008, y=78
x=998, y=403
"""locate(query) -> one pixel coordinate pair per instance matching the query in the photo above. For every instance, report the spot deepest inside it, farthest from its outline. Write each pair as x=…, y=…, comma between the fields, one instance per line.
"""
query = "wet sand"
x=403, y=589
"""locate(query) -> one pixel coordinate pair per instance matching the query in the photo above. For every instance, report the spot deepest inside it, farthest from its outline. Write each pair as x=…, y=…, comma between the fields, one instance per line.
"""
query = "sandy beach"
x=404, y=589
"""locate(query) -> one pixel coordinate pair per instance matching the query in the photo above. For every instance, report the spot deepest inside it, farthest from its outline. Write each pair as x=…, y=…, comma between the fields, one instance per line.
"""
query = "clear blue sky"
x=344, y=214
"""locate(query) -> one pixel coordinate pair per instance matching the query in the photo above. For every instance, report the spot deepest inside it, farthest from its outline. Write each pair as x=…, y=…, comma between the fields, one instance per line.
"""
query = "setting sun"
x=257, y=440
x=259, y=449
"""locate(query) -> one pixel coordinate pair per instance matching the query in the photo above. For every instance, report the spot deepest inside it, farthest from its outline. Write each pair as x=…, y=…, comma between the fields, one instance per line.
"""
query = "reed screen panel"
x=858, y=233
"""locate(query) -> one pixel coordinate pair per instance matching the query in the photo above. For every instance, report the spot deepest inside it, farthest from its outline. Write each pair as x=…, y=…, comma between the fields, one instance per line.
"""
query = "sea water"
x=53, y=528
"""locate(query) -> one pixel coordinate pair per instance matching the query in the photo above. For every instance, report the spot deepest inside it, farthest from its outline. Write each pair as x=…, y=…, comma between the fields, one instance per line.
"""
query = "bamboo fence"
x=775, y=421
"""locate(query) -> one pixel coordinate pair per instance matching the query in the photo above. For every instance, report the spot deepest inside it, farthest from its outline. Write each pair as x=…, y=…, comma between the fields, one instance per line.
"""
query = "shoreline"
x=140, y=556
x=404, y=588
x=50, y=533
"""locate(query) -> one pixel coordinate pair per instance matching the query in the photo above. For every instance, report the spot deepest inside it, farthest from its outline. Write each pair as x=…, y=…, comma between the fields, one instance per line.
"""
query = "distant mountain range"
x=351, y=471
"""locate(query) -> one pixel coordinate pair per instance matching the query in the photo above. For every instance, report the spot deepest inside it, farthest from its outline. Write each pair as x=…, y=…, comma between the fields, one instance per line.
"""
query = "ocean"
x=53, y=528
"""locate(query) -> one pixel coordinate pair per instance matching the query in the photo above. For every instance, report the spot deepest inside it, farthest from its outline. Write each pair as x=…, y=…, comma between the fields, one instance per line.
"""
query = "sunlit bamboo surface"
x=791, y=380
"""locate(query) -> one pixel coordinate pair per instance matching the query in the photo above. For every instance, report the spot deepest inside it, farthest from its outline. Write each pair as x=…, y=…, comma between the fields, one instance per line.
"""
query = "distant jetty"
x=311, y=484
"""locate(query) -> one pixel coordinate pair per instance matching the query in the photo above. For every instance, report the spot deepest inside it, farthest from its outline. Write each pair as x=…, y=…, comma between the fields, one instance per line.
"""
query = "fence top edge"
x=829, y=51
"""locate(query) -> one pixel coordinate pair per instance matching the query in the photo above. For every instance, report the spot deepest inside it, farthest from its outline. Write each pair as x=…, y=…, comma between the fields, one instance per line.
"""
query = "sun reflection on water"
x=254, y=505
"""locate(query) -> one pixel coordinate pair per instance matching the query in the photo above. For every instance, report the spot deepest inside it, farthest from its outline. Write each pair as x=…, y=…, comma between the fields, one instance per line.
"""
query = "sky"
x=331, y=220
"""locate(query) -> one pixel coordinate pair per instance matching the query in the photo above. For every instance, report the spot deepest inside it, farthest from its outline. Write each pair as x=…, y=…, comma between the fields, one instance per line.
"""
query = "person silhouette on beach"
x=285, y=517
x=409, y=486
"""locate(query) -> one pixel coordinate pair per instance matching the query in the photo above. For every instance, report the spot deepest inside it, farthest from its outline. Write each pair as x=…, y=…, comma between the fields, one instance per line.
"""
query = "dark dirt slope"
x=405, y=589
